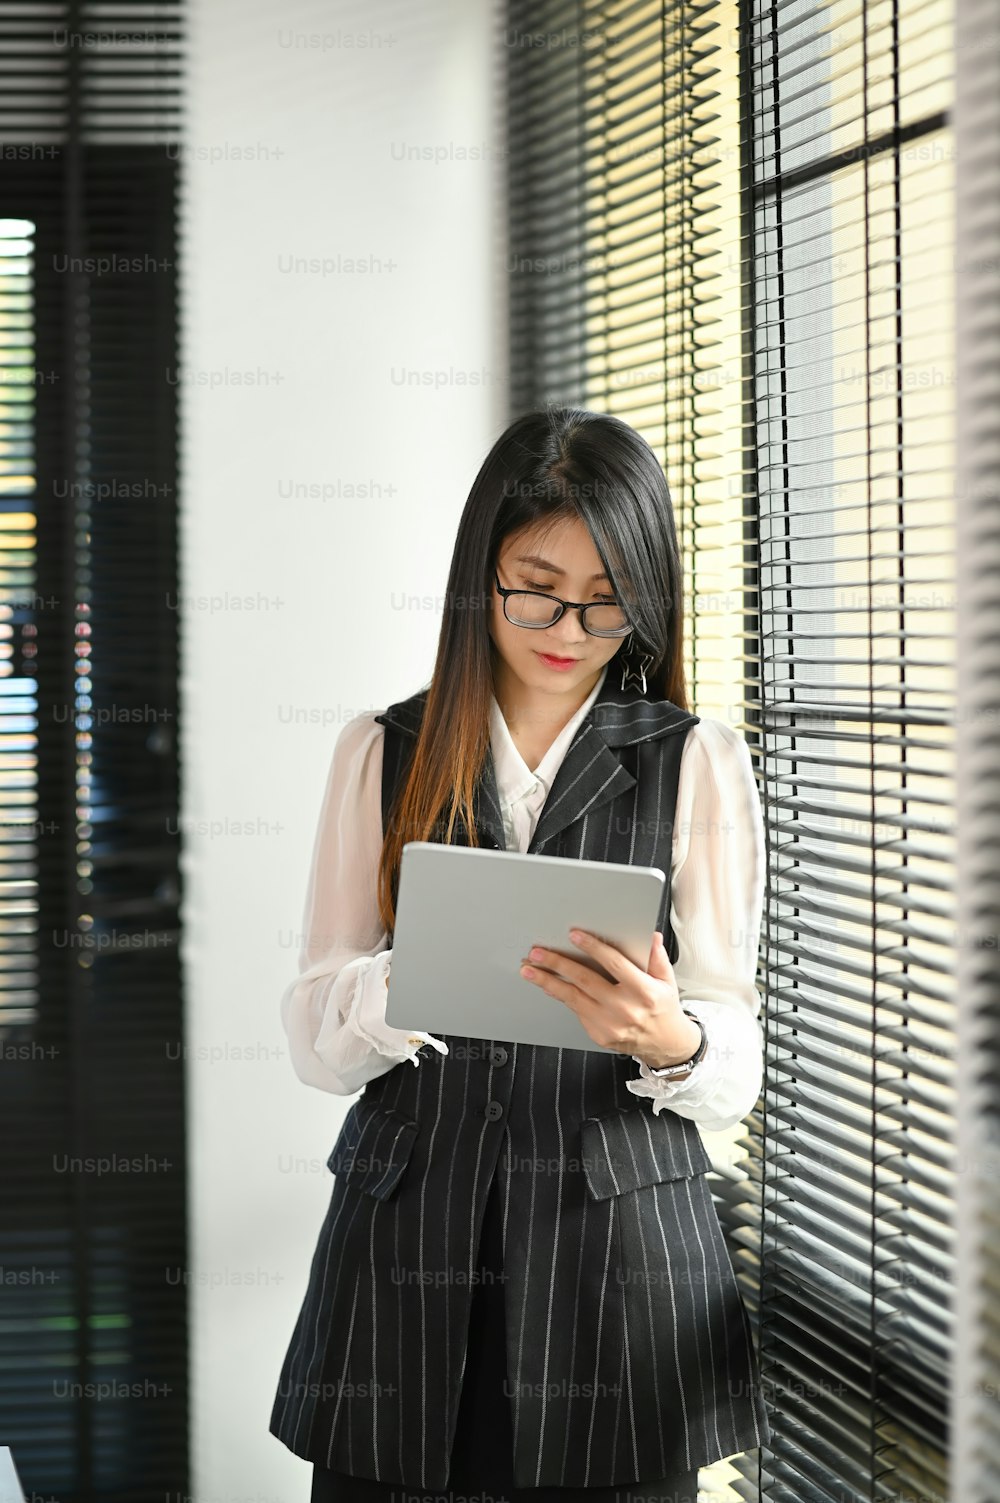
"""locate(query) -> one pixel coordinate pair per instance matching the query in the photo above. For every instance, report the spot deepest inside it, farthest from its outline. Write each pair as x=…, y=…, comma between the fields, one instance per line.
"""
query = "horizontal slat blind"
x=623, y=250
x=105, y=73
x=975, y=1412
x=93, y=1306
x=849, y=261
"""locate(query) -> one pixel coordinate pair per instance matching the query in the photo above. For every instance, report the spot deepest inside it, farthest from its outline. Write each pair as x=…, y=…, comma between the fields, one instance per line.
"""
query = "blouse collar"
x=514, y=777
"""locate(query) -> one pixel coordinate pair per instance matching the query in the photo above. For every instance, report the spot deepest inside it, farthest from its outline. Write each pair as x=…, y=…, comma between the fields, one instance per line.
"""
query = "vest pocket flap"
x=624, y=1150
x=373, y=1149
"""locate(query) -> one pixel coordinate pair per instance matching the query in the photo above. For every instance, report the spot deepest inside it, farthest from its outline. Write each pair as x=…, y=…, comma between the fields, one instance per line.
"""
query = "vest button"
x=494, y=1110
x=498, y=1055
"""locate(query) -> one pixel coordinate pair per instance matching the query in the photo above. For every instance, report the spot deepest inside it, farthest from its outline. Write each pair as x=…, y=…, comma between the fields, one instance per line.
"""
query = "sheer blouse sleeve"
x=717, y=889
x=333, y=1013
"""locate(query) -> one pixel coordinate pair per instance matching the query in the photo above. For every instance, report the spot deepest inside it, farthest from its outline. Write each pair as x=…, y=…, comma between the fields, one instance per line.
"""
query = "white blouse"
x=334, y=1011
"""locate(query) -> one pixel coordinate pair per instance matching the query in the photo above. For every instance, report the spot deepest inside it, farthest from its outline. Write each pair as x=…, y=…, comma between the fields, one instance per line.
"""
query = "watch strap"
x=684, y=1066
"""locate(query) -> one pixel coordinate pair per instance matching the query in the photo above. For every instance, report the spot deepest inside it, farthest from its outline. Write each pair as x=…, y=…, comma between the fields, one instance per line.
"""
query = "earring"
x=629, y=670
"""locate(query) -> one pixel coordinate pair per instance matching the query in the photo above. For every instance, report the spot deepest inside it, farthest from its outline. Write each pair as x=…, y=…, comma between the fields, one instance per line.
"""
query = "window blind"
x=93, y=1237
x=849, y=264
x=974, y=1412
x=732, y=226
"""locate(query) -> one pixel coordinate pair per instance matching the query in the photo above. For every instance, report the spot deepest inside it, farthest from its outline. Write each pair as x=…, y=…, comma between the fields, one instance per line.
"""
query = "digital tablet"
x=466, y=918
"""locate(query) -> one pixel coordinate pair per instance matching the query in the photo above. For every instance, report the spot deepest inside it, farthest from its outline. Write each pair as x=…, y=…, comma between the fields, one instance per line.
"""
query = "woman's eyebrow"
x=542, y=563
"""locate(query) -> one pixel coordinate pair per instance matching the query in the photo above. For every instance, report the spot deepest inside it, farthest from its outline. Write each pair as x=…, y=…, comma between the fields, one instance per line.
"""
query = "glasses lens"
x=526, y=609
x=531, y=610
x=604, y=619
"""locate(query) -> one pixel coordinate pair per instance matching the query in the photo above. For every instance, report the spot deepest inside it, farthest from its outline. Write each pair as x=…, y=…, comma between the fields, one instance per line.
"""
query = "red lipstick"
x=559, y=664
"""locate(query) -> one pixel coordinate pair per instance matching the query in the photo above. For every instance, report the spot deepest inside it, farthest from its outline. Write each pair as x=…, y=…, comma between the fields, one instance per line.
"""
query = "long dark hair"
x=550, y=464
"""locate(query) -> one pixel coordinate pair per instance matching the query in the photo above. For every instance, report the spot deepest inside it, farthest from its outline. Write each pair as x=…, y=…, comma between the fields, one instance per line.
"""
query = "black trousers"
x=482, y=1458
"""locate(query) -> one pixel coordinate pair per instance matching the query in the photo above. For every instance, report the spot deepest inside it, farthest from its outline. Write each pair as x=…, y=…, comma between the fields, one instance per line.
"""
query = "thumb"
x=659, y=960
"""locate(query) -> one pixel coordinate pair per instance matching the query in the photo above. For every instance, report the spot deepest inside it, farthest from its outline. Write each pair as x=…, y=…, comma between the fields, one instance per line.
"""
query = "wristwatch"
x=684, y=1066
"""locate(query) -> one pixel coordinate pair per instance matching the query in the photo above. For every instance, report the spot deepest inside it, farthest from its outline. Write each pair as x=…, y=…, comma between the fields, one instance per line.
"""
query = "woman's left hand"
x=639, y=1012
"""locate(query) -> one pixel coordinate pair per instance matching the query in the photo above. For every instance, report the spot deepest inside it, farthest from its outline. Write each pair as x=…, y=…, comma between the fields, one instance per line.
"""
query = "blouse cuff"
x=724, y=1085
x=366, y=1016
x=694, y=1089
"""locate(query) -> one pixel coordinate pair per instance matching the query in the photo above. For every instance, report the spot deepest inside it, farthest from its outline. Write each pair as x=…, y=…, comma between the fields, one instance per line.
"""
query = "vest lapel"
x=486, y=805
x=588, y=776
x=590, y=773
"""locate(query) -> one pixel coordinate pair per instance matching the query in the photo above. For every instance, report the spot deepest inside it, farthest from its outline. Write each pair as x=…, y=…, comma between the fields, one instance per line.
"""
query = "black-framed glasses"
x=535, y=610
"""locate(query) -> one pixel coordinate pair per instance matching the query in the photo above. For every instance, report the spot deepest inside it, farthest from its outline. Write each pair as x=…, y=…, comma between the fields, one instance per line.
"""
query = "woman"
x=521, y=1288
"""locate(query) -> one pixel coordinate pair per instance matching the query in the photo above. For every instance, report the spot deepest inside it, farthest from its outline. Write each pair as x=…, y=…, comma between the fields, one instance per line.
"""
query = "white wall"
x=326, y=122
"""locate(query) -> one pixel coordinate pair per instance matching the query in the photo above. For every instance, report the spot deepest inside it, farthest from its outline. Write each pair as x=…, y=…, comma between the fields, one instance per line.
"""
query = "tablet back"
x=466, y=918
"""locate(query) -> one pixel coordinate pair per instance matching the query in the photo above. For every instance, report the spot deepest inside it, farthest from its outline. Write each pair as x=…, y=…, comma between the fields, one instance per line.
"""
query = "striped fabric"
x=629, y=1350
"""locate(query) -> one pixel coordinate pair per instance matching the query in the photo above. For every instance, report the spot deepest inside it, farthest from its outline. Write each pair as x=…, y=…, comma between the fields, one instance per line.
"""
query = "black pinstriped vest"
x=629, y=1353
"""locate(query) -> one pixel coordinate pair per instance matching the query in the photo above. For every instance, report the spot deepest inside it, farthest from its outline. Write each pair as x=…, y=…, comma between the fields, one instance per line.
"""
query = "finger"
x=574, y=972
x=555, y=986
x=609, y=956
